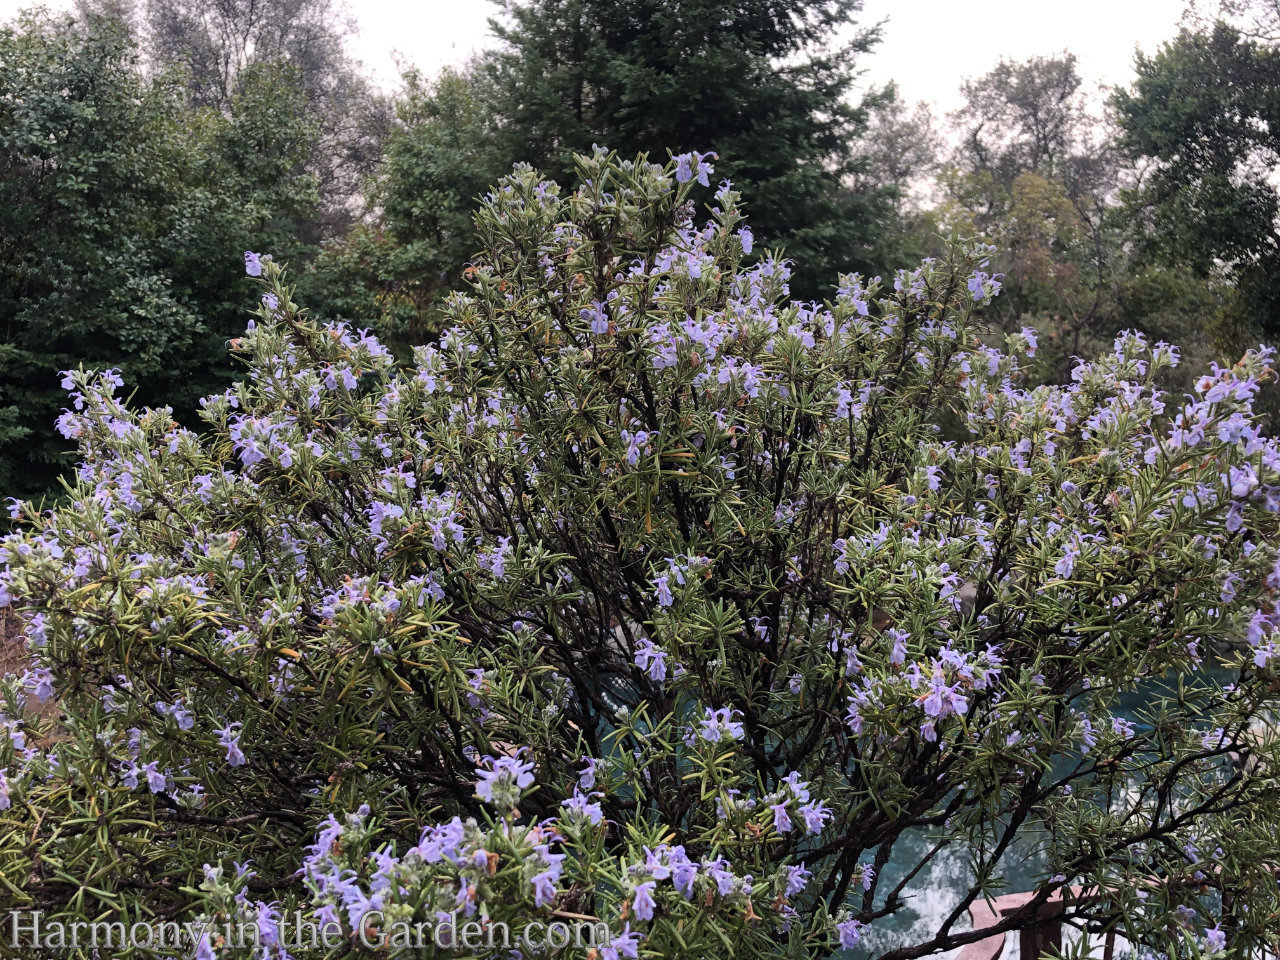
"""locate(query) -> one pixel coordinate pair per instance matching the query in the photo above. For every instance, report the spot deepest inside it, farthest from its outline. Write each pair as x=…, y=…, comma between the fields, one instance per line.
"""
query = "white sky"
x=928, y=46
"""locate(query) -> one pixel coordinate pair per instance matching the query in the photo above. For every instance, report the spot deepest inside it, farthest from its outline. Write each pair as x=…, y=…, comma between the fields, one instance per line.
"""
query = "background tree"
x=1204, y=113
x=214, y=43
x=1036, y=172
x=901, y=148
x=123, y=220
x=899, y=158
x=757, y=82
x=440, y=157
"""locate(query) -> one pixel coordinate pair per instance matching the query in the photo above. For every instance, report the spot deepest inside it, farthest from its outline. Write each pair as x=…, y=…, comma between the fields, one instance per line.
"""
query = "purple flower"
x=1067, y=564
x=1122, y=727
x=625, y=946
x=496, y=559
x=1087, y=735
x=268, y=923
x=597, y=317
x=662, y=586
x=204, y=948
x=1029, y=335
x=719, y=725
x=781, y=822
x=180, y=714
x=504, y=780
x=544, y=889
x=799, y=788
x=1214, y=939
x=943, y=699
x=850, y=932
x=587, y=778
x=718, y=872
x=654, y=865
x=581, y=805
x=651, y=659
x=39, y=683
x=868, y=876
x=815, y=816
x=637, y=444
x=683, y=870
x=644, y=904
x=229, y=737
x=691, y=165
x=982, y=285
x=853, y=716
x=898, y=656
x=252, y=264
x=156, y=780
x=797, y=879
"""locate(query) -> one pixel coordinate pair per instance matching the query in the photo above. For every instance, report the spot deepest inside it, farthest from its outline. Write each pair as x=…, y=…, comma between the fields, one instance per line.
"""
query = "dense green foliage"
x=124, y=233
x=755, y=83
x=440, y=158
x=123, y=220
x=1206, y=110
x=760, y=84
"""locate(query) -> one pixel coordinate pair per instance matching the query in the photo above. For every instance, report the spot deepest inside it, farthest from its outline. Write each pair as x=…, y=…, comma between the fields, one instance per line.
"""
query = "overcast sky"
x=928, y=46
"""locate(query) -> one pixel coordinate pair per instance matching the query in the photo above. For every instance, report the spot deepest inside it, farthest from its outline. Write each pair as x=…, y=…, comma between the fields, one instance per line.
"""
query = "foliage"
x=759, y=84
x=1039, y=177
x=123, y=218
x=651, y=596
x=216, y=42
x=1204, y=111
x=1024, y=116
x=900, y=148
x=440, y=159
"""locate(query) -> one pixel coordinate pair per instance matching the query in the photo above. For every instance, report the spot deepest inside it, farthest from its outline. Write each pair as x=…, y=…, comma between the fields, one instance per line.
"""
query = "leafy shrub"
x=123, y=211
x=649, y=596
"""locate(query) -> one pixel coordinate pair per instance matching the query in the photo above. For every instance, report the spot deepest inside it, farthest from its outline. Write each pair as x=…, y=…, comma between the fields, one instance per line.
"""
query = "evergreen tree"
x=124, y=217
x=755, y=82
x=1205, y=113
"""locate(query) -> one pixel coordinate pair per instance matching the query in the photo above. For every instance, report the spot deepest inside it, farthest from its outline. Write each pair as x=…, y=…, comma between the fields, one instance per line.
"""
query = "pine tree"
x=756, y=82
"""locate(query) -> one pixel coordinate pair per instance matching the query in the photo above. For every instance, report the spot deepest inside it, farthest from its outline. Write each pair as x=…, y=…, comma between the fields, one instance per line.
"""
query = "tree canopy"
x=1204, y=111
x=123, y=219
x=759, y=84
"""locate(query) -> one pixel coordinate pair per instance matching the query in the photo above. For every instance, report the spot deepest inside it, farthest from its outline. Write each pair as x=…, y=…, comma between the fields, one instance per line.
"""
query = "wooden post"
x=1046, y=936
x=1040, y=939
